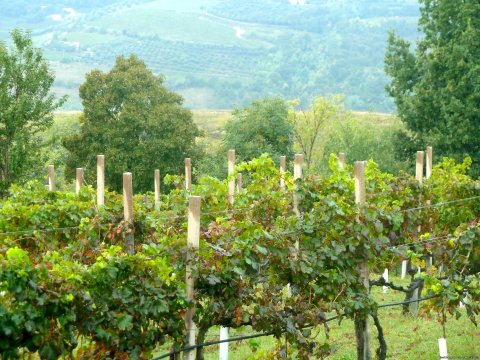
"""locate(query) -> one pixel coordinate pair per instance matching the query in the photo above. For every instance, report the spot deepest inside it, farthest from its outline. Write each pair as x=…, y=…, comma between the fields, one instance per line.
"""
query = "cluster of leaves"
x=258, y=263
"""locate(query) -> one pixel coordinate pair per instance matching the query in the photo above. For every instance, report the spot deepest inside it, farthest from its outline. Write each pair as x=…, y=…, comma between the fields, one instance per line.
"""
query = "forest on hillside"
x=222, y=54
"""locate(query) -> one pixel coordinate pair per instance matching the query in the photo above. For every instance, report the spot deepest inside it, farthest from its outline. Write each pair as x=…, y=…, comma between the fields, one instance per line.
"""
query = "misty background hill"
x=223, y=54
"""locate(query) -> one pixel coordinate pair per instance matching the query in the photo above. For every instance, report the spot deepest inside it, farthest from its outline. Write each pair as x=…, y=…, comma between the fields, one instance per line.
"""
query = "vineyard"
x=93, y=274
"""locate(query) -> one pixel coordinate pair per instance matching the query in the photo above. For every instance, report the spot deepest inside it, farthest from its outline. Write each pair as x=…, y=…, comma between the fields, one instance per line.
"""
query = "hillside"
x=222, y=54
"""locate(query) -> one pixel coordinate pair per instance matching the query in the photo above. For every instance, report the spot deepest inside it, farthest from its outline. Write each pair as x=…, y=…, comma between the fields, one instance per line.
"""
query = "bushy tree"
x=260, y=127
x=437, y=87
x=137, y=123
x=26, y=106
x=310, y=125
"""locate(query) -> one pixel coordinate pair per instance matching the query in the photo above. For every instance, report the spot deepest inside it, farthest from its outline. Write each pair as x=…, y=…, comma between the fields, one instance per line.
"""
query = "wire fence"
x=252, y=336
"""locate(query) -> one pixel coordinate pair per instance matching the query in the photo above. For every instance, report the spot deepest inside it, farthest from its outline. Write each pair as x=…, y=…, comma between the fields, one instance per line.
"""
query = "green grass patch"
x=407, y=337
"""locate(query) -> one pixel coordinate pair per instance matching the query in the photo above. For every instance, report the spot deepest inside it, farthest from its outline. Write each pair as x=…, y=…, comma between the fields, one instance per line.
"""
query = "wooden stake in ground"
x=223, y=349
x=362, y=329
x=193, y=242
x=297, y=174
x=341, y=160
x=239, y=183
x=231, y=170
x=156, y=185
x=283, y=169
x=128, y=211
x=429, y=161
x=188, y=174
x=51, y=177
x=79, y=174
x=100, y=180
x=413, y=307
x=428, y=174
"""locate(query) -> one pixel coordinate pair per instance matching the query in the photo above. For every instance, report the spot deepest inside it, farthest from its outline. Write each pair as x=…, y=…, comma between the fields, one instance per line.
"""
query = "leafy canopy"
x=135, y=121
x=436, y=88
x=26, y=106
x=260, y=127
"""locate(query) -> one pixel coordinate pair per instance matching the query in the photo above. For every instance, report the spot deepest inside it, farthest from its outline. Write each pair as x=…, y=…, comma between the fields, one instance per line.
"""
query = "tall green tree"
x=135, y=121
x=436, y=87
x=260, y=127
x=26, y=106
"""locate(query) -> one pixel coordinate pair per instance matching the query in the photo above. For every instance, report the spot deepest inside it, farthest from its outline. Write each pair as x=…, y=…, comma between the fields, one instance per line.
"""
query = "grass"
x=407, y=337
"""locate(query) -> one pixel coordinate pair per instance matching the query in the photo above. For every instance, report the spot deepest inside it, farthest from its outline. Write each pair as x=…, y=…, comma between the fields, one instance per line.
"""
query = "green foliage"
x=26, y=106
x=138, y=124
x=261, y=127
x=82, y=293
x=436, y=87
x=310, y=125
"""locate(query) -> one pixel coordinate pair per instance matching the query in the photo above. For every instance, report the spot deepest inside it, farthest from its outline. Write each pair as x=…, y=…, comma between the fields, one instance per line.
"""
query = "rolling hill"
x=222, y=54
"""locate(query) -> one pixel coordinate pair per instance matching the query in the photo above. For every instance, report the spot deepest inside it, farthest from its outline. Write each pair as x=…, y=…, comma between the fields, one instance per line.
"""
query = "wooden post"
x=128, y=210
x=283, y=169
x=419, y=167
x=362, y=329
x=79, y=173
x=239, y=183
x=297, y=174
x=193, y=242
x=231, y=170
x=428, y=174
x=51, y=177
x=413, y=307
x=429, y=161
x=100, y=180
x=156, y=185
x=341, y=160
x=223, y=349
x=188, y=174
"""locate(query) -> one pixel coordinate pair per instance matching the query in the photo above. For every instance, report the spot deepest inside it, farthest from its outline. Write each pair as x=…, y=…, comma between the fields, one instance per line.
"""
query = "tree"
x=436, y=88
x=137, y=123
x=26, y=106
x=309, y=124
x=260, y=127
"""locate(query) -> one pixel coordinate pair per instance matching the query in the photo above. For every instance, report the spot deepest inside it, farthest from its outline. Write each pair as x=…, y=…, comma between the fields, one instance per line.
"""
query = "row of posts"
x=193, y=237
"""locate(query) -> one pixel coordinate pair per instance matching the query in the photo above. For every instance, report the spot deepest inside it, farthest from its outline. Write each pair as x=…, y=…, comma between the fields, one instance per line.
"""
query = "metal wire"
x=239, y=338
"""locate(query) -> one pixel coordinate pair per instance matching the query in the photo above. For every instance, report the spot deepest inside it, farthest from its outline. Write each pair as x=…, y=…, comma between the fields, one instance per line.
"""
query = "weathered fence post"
x=231, y=170
x=223, y=349
x=239, y=183
x=188, y=174
x=362, y=329
x=51, y=177
x=283, y=169
x=341, y=160
x=193, y=242
x=413, y=307
x=79, y=173
x=429, y=161
x=100, y=180
x=156, y=185
x=297, y=174
x=428, y=174
x=128, y=211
